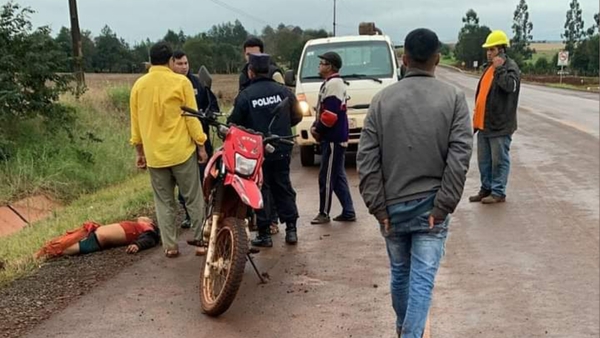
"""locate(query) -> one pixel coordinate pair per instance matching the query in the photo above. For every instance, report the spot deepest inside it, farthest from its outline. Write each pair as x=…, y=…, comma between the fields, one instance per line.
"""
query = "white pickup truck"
x=369, y=64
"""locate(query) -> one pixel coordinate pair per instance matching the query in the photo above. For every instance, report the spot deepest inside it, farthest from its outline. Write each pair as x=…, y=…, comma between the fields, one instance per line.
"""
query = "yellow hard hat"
x=496, y=38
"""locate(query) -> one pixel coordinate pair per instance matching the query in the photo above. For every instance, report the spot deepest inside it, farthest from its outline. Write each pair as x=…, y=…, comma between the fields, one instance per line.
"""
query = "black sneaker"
x=344, y=218
x=320, y=219
x=186, y=224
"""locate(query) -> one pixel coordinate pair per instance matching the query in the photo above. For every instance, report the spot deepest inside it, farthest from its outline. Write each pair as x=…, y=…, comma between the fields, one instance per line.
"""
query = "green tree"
x=594, y=29
x=112, y=54
x=542, y=66
x=229, y=33
x=521, y=40
x=445, y=50
x=65, y=41
x=585, y=58
x=199, y=50
x=29, y=64
x=470, y=39
x=174, y=39
x=573, y=27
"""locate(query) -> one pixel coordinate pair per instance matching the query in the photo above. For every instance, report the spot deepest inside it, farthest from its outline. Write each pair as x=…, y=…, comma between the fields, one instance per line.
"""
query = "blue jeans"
x=494, y=163
x=415, y=252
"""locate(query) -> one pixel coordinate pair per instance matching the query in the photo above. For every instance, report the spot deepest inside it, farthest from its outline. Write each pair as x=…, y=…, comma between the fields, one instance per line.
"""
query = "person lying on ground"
x=91, y=237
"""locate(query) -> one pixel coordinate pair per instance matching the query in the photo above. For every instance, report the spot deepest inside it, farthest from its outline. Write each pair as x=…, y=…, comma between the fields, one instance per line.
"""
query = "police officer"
x=255, y=45
x=253, y=109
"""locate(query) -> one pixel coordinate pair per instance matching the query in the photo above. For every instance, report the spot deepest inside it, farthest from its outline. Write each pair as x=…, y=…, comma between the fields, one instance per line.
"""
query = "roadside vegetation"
x=68, y=144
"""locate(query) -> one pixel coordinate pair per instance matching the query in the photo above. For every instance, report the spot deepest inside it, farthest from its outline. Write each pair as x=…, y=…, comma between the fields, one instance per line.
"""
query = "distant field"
x=547, y=50
x=224, y=86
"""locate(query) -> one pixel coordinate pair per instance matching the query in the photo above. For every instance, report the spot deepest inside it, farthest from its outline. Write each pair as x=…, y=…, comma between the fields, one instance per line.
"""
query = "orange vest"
x=484, y=89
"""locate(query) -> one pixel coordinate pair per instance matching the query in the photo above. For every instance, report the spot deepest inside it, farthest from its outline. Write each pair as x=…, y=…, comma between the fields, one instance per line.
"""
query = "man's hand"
x=386, y=225
x=133, y=248
x=498, y=61
x=433, y=221
x=202, y=155
x=140, y=162
x=315, y=134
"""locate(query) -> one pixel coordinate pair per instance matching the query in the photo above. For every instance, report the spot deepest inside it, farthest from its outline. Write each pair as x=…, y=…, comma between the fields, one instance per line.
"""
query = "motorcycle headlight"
x=244, y=166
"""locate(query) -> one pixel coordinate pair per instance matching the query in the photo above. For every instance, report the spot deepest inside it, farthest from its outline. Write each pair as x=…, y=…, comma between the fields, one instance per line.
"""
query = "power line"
x=239, y=11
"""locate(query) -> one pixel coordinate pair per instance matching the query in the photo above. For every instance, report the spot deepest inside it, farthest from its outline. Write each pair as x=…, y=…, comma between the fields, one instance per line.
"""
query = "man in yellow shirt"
x=170, y=145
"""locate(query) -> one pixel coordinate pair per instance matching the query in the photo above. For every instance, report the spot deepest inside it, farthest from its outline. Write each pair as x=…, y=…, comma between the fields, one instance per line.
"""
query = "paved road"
x=530, y=267
x=526, y=268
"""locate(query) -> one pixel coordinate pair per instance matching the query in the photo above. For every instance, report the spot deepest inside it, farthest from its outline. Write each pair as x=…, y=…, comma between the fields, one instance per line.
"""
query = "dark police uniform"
x=253, y=109
x=207, y=101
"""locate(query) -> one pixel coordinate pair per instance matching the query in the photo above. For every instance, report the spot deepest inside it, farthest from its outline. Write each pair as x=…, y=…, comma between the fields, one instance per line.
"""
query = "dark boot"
x=480, y=195
x=263, y=240
x=492, y=199
x=291, y=237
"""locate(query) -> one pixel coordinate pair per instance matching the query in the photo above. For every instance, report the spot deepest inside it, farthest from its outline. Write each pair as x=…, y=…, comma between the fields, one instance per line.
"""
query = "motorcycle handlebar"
x=280, y=139
x=211, y=119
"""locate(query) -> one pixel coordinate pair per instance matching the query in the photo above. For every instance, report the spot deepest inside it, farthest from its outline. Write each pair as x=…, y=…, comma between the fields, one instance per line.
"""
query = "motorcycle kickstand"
x=262, y=280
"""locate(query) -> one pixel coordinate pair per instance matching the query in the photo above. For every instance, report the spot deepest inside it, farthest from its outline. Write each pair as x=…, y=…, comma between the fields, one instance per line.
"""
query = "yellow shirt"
x=168, y=138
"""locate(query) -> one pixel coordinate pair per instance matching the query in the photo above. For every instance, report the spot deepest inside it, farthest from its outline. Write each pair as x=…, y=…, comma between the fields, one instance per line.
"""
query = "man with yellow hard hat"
x=495, y=118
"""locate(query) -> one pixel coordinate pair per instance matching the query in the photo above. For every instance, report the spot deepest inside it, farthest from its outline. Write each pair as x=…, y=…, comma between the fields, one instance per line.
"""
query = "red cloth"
x=56, y=246
x=134, y=229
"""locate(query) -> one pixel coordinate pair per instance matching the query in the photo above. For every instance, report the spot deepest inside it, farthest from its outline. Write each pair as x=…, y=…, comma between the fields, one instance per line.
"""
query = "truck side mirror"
x=290, y=78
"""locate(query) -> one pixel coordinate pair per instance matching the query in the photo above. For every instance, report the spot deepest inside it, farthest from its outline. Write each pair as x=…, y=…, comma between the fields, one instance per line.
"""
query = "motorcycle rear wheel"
x=226, y=270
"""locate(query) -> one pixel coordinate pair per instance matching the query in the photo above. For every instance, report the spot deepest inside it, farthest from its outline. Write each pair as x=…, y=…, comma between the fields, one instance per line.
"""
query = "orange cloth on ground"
x=484, y=89
x=134, y=229
x=56, y=246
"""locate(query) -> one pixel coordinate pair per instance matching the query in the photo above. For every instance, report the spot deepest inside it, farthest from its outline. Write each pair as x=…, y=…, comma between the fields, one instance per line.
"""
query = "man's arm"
x=193, y=124
x=507, y=77
x=146, y=240
x=240, y=111
x=368, y=161
x=295, y=113
x=135, y=124
x=457, y=161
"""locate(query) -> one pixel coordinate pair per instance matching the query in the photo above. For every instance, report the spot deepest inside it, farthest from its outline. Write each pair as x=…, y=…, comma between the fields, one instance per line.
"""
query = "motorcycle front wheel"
x=226, y=269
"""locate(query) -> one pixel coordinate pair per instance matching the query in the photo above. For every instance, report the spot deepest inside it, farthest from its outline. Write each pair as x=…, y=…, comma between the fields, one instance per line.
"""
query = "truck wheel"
x=307, y=156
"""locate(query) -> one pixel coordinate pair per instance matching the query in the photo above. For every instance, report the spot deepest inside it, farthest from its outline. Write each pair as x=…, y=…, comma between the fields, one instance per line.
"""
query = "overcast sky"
x=134, y=20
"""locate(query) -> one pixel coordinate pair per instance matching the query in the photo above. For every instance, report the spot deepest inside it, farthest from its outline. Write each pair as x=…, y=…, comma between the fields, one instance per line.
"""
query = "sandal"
x=201, y=251
x=171, y=253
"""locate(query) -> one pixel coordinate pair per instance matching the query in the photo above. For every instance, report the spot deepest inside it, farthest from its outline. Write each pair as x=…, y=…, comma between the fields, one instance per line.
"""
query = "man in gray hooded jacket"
x=413, y=158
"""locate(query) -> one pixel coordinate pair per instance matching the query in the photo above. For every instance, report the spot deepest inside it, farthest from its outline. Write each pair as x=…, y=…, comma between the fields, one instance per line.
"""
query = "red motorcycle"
x=231, y=184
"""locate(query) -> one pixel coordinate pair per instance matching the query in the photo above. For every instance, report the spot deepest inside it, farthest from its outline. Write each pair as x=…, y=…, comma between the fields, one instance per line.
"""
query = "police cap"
x=259, y=62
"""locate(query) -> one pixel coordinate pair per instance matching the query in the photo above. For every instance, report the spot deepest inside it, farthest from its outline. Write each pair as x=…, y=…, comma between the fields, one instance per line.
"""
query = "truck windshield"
x=363, y=58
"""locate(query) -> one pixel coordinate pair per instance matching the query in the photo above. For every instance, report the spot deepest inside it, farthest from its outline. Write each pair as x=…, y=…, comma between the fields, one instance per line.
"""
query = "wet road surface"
x=525, y=268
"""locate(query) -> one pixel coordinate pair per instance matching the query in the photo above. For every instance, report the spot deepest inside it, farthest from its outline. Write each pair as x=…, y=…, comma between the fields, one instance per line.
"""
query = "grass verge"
x=67, y=161
x=122, y=201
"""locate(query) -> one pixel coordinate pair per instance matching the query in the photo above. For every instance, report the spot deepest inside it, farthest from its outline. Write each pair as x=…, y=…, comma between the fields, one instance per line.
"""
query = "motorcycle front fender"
x=248, y=190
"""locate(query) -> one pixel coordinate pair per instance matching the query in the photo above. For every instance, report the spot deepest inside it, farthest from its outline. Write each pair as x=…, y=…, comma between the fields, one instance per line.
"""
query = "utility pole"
x=77, y=50
x=334, y=17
